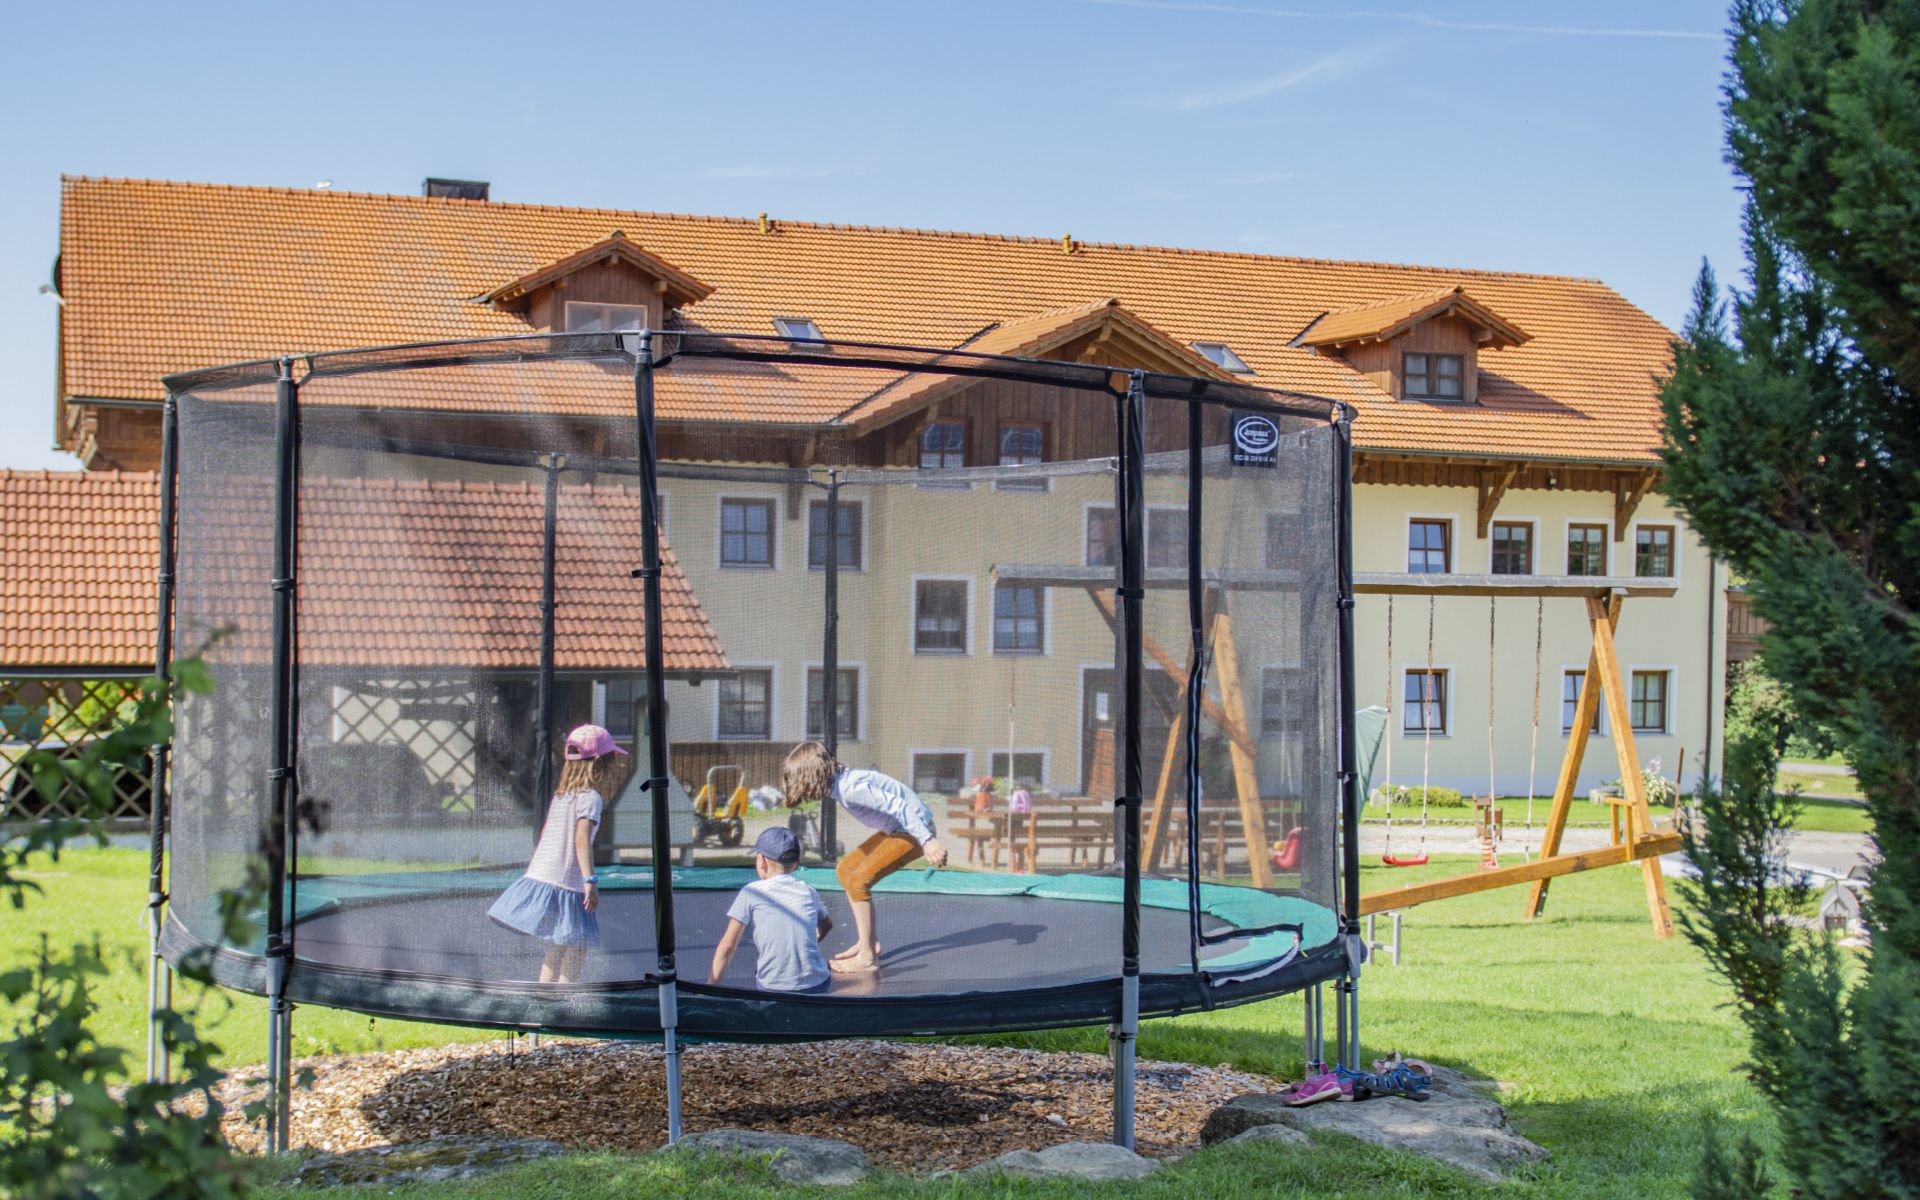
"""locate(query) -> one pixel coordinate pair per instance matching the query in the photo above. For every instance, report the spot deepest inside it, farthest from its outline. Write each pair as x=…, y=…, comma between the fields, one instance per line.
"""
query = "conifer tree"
x=1792, y=423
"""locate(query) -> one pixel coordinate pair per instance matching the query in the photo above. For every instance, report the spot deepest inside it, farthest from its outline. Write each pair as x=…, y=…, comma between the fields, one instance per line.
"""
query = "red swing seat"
x=1405, y=860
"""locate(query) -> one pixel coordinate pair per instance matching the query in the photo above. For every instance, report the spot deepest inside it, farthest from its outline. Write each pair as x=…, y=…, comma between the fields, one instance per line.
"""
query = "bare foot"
x=860, y=965
x=854, y=951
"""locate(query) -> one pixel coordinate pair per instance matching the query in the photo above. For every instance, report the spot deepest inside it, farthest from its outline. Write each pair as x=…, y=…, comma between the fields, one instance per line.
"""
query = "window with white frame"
x=846, y=703
x=1019, y=619
x=1029, y=767
x=1221, y=355
x=940, y=616
x=1023, y=444
x=1166, y=537
x=1570, y=682
x=746, y=706
x=1653, y=550
x=1586, y=549
x=1512, y=548
x=849, y=515
x=585, y=317
x=799, y=329
x=1647, y=701
x=1424, y=701
x=1429, y=546
x=940, y=772
x=1281, y=707
x=746, y=532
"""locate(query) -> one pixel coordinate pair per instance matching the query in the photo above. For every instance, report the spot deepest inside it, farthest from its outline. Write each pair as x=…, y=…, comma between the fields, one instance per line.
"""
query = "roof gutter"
x=114, y=402
x=1563, y=460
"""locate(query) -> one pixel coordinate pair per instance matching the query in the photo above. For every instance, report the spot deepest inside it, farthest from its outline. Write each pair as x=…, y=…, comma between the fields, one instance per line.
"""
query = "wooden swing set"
x=1637, y=839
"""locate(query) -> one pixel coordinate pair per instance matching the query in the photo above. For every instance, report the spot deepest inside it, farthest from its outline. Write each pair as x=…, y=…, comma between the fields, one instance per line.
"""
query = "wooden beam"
x=1156, y=823
x=1493, y=485
x=1246, y=778
x=1598, y=612
x=1401, y=583
x=1627, y=495
x=1208, y=705
x=1645, y=851
x=1639, y=819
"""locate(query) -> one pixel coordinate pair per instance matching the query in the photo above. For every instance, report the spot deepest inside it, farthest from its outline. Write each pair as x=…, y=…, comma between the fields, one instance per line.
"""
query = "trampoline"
x=1097, y=616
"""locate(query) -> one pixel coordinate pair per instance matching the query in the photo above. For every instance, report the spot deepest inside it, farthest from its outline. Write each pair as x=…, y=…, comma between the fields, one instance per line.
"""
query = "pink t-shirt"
x=554, y=859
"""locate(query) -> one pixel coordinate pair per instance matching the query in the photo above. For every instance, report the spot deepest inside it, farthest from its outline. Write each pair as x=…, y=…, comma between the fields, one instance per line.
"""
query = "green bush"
x=1436, y=797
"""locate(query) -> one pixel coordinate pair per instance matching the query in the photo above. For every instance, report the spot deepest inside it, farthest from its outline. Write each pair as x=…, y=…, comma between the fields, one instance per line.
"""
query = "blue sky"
x=1558, y=137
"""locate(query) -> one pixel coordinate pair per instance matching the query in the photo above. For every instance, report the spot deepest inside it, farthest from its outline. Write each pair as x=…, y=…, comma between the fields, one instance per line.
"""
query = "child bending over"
x=902, y=825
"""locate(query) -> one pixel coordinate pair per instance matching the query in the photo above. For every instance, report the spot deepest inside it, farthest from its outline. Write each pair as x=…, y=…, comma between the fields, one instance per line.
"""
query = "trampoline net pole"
x=543, y=702
x=280, y=769
x=158, y=991
x=658, y=787
x=830, y=663
x=1131, y=500
x=1348, y=994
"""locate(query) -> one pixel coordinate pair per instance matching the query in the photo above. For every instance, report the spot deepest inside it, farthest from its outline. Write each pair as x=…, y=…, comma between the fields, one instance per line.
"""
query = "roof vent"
x=455, y=189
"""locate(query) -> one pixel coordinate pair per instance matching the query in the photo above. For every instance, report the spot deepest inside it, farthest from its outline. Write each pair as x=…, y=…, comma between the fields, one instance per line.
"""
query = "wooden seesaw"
x=1638, y=841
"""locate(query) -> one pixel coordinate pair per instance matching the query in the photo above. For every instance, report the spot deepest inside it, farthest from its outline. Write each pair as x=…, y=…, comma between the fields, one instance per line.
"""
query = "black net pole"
x=830, y=665
x=159, y=979
x=657, y=784
x=1196, y=671
x=543, y=703
x=1349, y=777
x=280, y=750
x=1132, y=599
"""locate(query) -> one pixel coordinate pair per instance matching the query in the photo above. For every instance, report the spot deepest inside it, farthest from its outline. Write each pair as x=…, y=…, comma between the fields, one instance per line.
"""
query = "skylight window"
x=1221, y=355
x=799, y=329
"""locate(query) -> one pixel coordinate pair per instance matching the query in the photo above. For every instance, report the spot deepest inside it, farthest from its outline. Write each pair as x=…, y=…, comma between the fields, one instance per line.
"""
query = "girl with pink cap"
x=555, y=900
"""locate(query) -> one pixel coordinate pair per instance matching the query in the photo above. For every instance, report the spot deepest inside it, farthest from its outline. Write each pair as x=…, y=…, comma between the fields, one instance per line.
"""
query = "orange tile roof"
x=209, y=274
x=442, y=573
x=1377, y=322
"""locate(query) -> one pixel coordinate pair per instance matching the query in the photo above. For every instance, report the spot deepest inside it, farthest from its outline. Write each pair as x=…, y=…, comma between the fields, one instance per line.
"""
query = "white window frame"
x=720, y=531
x=1046, y=625
x=1446, y=702
x=1600, y=709
x=1301, y=673
x=808, y=329
x=913, y=616
x=1453, y=539
x=966, y=763
x=1046, y=762
x=1673, y=691
x=1505, y=520
x=1146, y=527
x=773, y=703
x=1566, y=547
x=1633, y=546
x=1228, y=361
x=841, y=568
x=1080, y=730
x=566, y=312
x=859, y=702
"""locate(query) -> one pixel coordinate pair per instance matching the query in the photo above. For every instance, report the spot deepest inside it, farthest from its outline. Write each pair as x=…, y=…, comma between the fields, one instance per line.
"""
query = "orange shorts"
x=873, y=860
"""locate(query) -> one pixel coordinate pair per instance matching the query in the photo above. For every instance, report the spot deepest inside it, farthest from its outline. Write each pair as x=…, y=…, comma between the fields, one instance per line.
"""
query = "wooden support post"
x=1246, y=778
x=1639, y=819
x=1235, y=732
x=1493, y=486
x=1627, y=495
x=1157, y=815
x=1598, y=613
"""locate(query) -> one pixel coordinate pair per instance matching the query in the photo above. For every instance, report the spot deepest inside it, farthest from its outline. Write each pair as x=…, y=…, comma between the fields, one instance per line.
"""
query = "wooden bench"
x=1080, y=825
x=985, y=833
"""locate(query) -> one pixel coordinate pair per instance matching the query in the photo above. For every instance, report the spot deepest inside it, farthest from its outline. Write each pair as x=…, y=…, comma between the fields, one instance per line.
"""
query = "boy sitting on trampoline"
x=786, y=917
x=902, y=825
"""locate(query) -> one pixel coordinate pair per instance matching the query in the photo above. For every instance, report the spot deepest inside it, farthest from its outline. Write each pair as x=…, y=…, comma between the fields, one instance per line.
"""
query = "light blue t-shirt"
x=884, y=803
x=782, y=915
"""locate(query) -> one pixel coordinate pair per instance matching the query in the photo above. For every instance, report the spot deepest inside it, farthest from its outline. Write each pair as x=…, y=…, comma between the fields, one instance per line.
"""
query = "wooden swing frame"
x=1640, y=841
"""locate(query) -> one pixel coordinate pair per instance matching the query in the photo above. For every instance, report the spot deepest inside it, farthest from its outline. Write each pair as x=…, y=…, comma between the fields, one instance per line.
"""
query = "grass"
x=1830, y=804
x=1612, y=1046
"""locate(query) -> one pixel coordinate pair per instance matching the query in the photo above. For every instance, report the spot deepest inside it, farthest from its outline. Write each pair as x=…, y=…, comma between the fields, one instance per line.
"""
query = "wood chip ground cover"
x=917, y=1107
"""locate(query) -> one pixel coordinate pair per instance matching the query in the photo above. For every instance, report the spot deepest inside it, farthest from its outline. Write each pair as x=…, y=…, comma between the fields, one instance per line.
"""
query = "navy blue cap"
x=778, y=844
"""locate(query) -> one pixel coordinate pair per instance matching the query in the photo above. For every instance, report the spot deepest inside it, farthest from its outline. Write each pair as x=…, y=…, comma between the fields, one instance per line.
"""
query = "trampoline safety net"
x=916, y=558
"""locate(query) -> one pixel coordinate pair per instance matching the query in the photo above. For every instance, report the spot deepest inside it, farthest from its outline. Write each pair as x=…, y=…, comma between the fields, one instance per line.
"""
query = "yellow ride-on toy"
x=715, y=822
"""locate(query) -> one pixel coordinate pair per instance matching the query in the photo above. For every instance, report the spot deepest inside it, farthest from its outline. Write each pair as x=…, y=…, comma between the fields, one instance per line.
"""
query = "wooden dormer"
x=1423, y=348
x=614, y=277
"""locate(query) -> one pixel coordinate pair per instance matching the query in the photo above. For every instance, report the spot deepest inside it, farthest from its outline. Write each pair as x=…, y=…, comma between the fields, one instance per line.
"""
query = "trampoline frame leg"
x=279, y=1059
x=1123, y=1037
x=1313, y=1052
x=159, y=997
x=670, y=1041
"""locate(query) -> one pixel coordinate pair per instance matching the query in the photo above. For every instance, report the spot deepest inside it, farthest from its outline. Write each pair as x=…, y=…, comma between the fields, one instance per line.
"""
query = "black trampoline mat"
x=933, y=943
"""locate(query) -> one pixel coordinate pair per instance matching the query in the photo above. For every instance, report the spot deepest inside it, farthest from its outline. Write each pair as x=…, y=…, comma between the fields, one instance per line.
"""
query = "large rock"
x=433, y=1161
x=1268, y=1133
x=1457, y=1124
x=794, y=1159
x=1072, y=1160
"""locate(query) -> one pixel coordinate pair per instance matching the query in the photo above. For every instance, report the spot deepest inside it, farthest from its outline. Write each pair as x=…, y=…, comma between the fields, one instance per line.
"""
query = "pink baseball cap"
x=591, y=741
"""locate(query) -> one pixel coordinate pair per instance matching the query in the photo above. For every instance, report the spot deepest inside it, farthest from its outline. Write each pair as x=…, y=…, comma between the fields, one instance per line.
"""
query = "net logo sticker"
x=1255, y=440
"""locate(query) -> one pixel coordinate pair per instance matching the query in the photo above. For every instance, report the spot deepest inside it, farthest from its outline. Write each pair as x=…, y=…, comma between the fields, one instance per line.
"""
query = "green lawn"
x=1612, y=1046
x=1826, y=808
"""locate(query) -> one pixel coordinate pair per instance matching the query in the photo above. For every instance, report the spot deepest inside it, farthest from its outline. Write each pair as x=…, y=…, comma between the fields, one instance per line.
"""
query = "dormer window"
x=1221, y=355
x=1433, y=376
x=798, y=329
x=583, y=317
